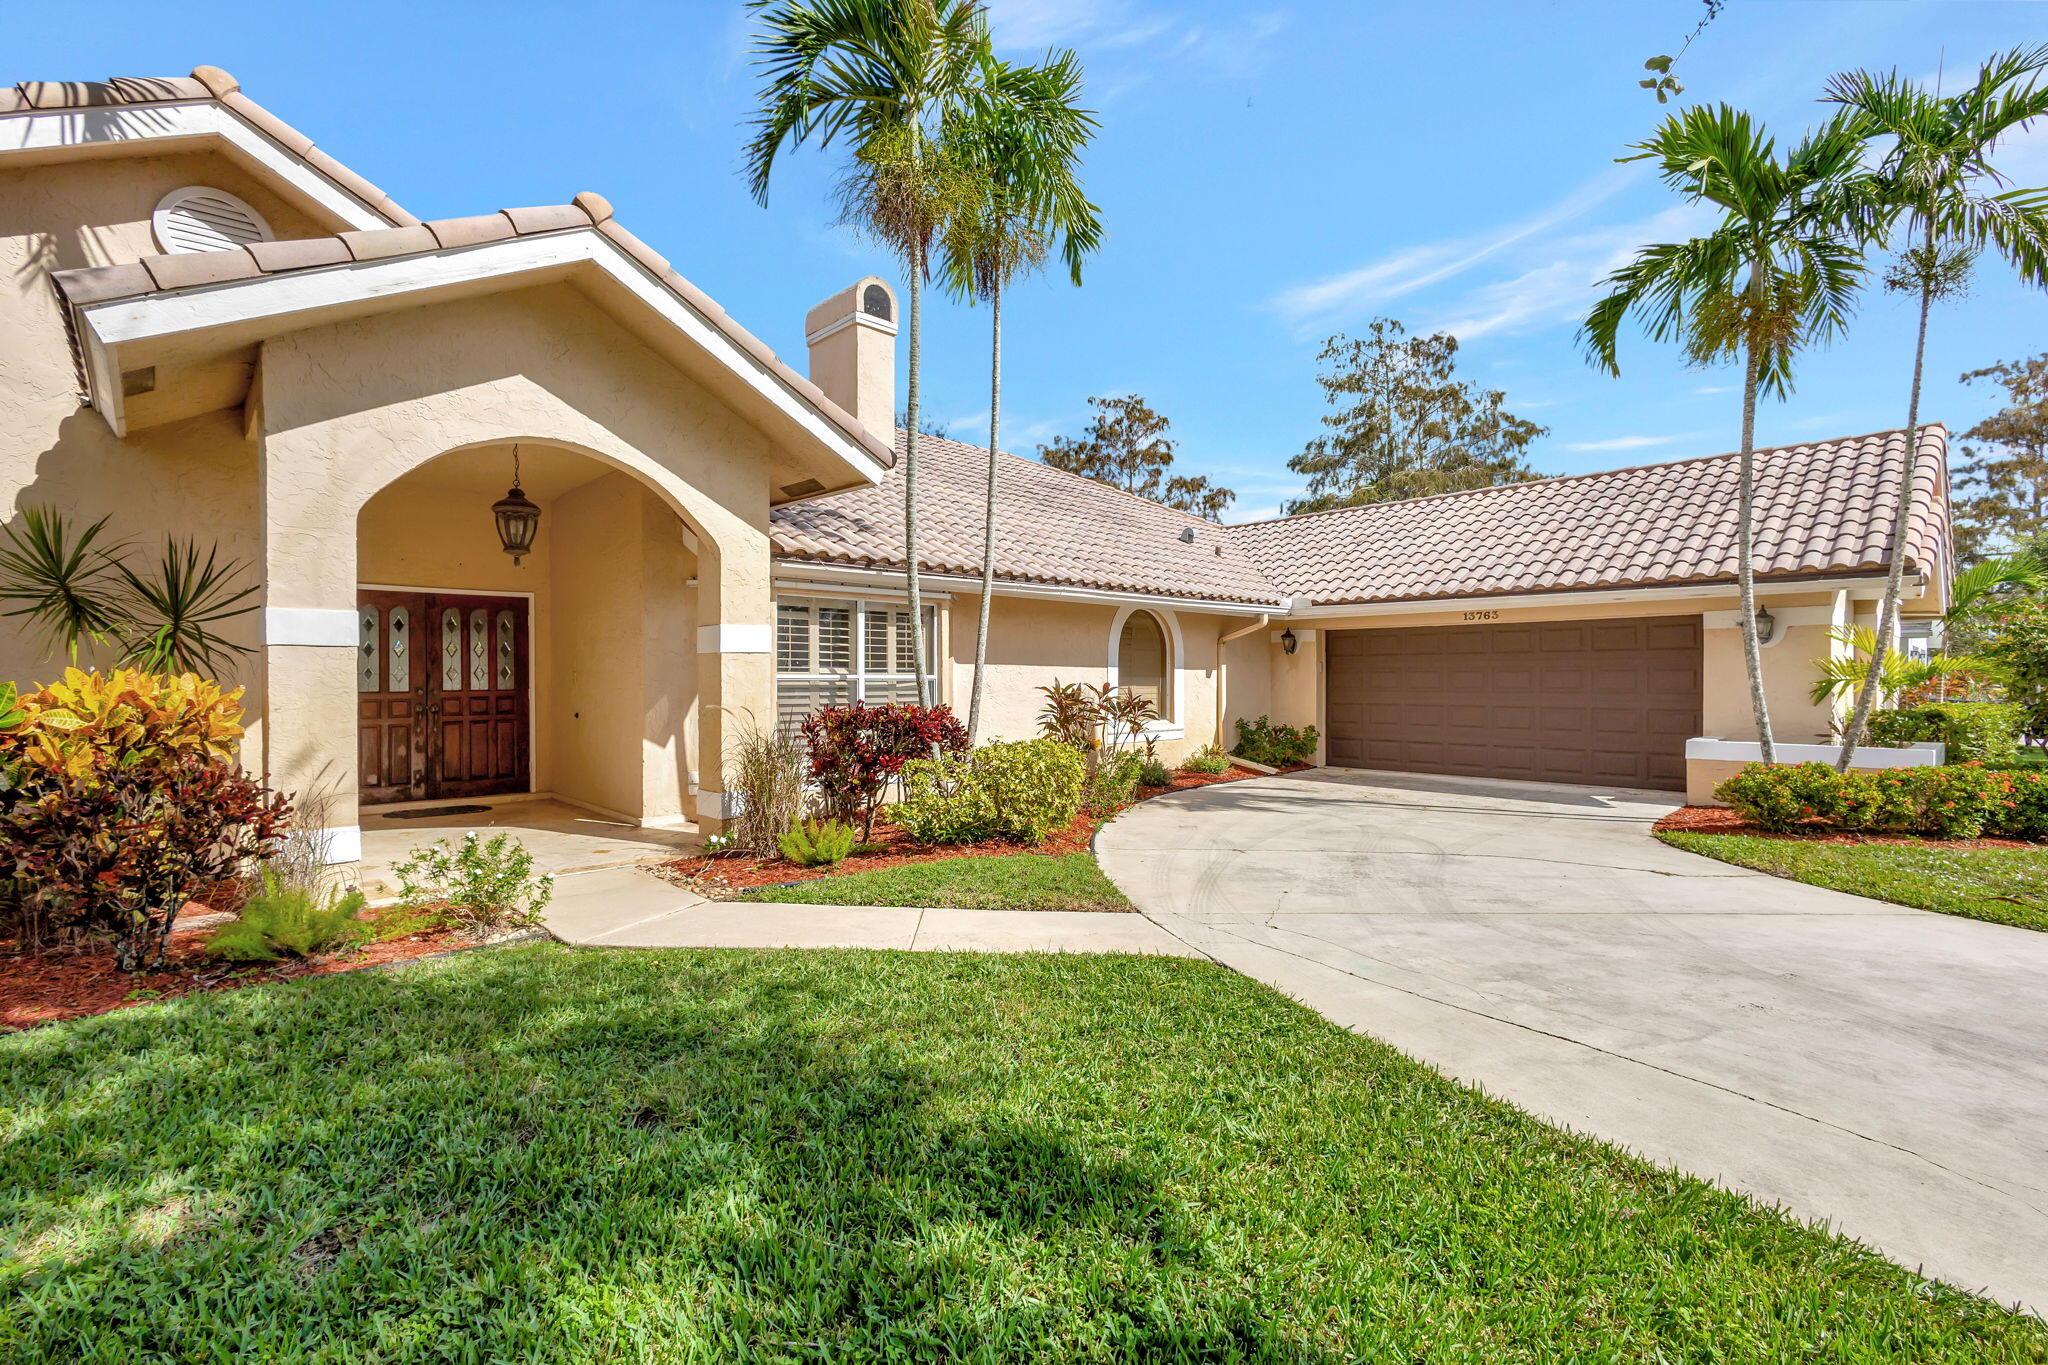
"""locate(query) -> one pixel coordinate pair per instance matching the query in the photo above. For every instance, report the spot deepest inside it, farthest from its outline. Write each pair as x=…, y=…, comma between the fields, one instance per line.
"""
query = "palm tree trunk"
x=917, y=642
x=1745, y=562
x=988, y=511
x=1888, y=611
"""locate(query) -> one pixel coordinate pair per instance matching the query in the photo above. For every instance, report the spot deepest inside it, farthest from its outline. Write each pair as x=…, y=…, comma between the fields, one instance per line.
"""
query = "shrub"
x=120, y=850
x=2019, y=645
x=93, y=722
x=1208, y=759
x=1096, y=719
x=857, y=750
x=765, y=771
x=483, y=886
x=1022, y=790
x=1953, y=801
x=286, y=919
x=1276, y=746
x=1154, y=774
x=1974, y=731
x=1112, y=785
x=818, y=843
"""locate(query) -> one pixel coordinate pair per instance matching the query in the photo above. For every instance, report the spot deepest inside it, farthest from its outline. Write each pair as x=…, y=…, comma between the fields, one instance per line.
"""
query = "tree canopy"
x=1405, y=425
x=2002, y=481
x=1126, y=446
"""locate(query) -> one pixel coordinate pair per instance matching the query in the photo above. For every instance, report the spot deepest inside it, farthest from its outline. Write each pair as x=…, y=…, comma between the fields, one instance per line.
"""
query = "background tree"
x=1126, y=446
x=1020, y=144
x=883, y=74
x=1779, y=272
x=2004, y=481
x=1934, y=172
x=1405, y=425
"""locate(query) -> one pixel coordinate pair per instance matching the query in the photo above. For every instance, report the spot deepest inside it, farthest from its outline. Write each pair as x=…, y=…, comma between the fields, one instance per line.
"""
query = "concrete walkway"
x=562, y=838
x=628, y=907
x=1877, y=1067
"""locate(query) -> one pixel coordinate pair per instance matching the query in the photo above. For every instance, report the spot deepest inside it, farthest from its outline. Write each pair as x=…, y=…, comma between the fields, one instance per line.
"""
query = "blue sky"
x=1270, y=174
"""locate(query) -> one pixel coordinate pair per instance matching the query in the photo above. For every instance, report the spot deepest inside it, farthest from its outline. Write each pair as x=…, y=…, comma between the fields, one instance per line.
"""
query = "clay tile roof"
x=1822, y=508
x=156, y=274
x=205, y=83
x=1055, y=528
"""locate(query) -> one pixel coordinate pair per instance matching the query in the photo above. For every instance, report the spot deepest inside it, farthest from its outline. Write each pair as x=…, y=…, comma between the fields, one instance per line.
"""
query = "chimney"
x=852, y=336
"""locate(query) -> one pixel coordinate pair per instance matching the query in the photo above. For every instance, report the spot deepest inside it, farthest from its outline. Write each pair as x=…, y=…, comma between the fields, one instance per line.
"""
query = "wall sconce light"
x=1766, y=625
x=1288, y=644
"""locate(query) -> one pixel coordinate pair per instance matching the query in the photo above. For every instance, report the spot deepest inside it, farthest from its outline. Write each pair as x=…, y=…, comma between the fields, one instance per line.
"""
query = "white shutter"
x=197, y=218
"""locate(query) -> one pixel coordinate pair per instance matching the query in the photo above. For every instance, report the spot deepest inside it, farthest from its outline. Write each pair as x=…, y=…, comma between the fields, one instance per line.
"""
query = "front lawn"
x=2003, y=885
x=1016, y=881
x=543, y=1154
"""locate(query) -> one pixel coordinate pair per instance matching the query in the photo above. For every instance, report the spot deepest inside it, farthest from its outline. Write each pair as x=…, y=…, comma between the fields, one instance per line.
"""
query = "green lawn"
x=544, y=1154
x=2004, y=885
x=1015, y=881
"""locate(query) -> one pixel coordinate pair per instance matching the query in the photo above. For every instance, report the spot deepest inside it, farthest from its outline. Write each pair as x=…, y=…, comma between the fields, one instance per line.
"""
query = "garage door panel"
x=1609, y=702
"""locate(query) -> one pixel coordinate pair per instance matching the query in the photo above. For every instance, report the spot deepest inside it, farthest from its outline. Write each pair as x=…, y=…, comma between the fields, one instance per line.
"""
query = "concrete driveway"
x=1881, y=1069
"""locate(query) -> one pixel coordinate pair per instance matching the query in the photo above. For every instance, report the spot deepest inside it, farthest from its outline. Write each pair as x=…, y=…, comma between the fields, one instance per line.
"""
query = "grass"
x=1010, y=881
x=542, y=1154
x=2003, y=885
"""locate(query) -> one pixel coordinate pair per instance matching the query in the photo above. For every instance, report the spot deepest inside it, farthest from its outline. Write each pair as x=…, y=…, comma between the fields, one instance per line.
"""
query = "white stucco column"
x=735, y=666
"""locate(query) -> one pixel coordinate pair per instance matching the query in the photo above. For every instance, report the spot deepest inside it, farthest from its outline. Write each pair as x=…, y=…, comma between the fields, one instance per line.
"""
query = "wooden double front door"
x=443, y=695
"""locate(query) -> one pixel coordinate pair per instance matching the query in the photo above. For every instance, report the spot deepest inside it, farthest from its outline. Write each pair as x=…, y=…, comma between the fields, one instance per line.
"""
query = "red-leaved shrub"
x=857, y=750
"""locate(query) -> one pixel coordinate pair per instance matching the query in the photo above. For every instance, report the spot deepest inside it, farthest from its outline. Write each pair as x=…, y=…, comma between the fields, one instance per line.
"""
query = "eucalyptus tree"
x=884, y=75
x=1778, y=272
x=1019, y=141
x=1937, y=173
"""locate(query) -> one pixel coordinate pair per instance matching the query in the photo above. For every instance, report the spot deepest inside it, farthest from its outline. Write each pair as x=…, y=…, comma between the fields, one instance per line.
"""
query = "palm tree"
x=1976, y=592
x=1934, y=174
x=883, y=74
x=1778, y=272
x=1019, y=142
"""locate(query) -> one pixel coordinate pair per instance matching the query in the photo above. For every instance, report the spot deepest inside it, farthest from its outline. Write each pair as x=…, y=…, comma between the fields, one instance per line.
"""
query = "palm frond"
x=174, y=612
x=63, y=583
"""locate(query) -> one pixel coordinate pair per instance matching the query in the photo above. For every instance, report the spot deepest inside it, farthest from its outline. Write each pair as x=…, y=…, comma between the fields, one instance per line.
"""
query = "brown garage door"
x=1599, y=702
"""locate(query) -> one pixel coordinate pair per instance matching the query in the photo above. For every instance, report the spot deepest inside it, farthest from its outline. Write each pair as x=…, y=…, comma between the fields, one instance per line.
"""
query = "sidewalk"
x=626, y=907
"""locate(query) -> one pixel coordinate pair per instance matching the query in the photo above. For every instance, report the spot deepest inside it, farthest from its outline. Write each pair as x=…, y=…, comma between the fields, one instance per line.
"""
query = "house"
x=214, y=330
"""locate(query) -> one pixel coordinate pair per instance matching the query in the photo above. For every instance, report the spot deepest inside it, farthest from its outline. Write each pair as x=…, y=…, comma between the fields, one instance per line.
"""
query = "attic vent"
x=874, y=301
x=1187, y=534
x=197, y=218
x=802, y=490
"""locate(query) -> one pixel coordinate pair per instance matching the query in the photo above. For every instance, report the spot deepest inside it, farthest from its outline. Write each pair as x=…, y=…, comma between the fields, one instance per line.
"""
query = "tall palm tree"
x=1777, y=273
x=1935, y=174
x=883, y=74
x=1019, y=142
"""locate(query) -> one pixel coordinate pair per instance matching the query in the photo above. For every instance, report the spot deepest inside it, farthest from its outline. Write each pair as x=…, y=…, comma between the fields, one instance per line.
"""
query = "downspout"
x=1223, y=669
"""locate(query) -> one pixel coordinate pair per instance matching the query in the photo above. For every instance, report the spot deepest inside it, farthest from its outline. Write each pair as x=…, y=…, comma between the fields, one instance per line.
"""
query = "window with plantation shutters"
x=832, y=651
x=200, y=218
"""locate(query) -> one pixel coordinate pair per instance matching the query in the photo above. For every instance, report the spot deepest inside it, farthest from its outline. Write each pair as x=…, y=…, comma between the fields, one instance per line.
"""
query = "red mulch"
x=40, y=988
x=740, y=872
x=1721, y=820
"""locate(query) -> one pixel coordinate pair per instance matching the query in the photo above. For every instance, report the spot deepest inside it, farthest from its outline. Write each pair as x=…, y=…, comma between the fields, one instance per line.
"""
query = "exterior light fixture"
x=517, y=516
x=1288, y=643
x=1766, y=625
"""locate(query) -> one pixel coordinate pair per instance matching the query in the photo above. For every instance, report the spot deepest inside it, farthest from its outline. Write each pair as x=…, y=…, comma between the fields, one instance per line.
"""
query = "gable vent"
x=198, y=218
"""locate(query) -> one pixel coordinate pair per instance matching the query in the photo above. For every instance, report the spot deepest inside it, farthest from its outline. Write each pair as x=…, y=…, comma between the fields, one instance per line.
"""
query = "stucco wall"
x=194, y=477
x=1033, y=643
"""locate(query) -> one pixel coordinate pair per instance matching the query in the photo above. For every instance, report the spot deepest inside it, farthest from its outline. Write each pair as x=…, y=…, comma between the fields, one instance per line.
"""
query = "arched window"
x=1142, y=660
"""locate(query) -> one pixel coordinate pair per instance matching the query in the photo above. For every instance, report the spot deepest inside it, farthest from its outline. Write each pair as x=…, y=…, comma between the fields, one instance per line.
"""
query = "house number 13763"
x=1482, y=616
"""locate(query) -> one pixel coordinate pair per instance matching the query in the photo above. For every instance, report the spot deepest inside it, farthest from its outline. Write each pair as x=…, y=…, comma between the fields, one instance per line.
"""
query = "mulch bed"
x=1721, y=820
x=725, y=874
x=41, y=988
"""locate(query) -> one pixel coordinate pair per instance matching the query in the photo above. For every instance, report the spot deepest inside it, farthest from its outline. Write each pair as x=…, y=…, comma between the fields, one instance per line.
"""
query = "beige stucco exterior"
x=361, y=443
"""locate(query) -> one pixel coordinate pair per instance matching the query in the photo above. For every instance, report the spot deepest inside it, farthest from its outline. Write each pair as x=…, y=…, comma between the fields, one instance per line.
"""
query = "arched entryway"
x=571, y=673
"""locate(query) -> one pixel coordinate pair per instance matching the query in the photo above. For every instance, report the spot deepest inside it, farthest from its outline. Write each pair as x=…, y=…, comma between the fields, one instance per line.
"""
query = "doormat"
x=431, y=812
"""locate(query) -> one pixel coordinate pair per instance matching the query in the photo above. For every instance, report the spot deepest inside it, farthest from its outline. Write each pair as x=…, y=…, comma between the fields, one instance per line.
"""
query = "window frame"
x=1171, y=723
x=857, y=677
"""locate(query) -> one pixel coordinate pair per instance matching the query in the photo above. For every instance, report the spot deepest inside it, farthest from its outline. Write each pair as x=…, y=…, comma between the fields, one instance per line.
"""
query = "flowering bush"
x=1954, y=801
x=857, y=750
x=1021, y=790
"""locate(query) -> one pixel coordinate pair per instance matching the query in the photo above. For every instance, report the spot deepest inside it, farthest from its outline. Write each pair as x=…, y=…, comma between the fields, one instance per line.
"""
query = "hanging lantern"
x=518, y=518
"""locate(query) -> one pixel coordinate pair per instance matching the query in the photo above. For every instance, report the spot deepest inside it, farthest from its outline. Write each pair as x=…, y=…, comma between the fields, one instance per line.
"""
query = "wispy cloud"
x=1715, y=388
x=1626, y=442
x=1232, y=47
